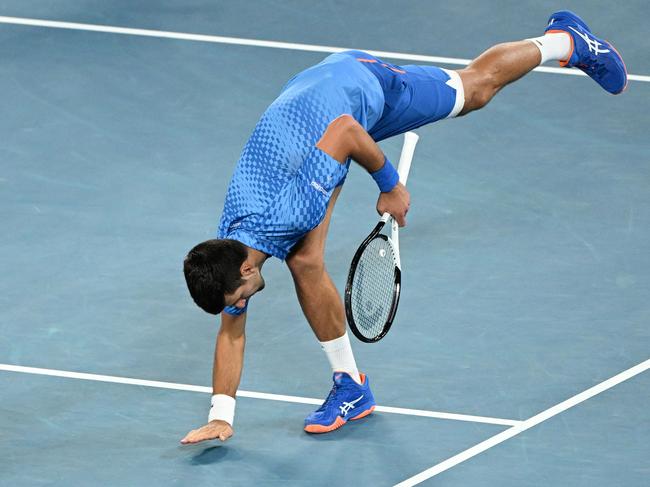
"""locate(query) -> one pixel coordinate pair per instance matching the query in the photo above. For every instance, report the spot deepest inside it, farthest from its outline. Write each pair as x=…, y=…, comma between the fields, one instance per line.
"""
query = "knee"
x=306, y=266
x=482, y=97
x=480, y=87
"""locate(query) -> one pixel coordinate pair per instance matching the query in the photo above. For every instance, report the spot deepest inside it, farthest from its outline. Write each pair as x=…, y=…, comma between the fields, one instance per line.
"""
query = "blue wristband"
x=387, y=177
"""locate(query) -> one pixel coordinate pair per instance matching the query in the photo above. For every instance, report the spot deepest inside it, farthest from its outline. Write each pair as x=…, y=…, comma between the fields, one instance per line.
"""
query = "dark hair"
x=212, y=269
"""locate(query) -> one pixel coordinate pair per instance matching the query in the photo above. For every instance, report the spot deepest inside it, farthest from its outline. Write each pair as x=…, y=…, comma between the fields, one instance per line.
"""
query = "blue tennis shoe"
x=596, y=57
x=347, y=400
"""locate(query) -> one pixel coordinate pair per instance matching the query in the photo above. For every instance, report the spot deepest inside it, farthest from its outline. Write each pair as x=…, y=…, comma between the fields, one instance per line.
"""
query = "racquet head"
x=373, y=288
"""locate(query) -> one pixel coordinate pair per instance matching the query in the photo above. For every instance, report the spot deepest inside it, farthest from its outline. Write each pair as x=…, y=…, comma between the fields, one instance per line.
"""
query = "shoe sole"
x=338, y=422
x=624, y=68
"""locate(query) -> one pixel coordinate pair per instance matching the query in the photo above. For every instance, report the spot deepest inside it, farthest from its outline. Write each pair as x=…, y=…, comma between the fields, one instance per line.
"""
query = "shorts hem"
x=457, y=84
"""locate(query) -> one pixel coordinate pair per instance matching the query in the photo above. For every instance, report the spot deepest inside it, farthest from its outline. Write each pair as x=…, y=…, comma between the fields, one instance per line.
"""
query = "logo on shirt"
x=318, y=188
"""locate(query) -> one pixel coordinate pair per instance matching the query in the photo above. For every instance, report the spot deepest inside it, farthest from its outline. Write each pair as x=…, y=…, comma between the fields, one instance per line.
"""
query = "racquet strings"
x=373, y=287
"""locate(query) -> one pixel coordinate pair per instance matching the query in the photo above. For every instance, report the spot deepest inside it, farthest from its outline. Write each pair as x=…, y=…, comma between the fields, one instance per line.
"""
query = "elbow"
x=340, y=138
x=346, y=129
x=343, y=124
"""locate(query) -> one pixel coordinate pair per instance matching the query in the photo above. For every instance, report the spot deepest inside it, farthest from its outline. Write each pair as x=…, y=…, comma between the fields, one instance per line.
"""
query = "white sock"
x=554, y=47
x=339, y=353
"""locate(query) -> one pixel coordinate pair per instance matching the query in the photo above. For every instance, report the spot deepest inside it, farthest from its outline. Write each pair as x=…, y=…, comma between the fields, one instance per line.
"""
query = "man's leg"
x=567, y=40
x=494, y=69
x=351, y=398
x=318, y=297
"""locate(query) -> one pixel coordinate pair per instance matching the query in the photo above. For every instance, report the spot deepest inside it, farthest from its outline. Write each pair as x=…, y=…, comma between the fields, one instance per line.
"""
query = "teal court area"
x=525, y=259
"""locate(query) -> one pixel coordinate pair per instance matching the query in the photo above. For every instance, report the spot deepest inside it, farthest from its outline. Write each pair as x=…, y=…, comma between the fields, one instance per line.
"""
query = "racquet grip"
x=408, y=149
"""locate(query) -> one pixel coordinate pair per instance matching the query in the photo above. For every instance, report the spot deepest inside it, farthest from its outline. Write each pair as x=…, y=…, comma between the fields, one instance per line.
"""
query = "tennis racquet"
x=374, y=281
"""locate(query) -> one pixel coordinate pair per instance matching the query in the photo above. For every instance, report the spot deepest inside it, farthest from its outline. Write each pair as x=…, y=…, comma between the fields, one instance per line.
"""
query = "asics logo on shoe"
x=592, y=44
x=346, y=406
x=550, y=22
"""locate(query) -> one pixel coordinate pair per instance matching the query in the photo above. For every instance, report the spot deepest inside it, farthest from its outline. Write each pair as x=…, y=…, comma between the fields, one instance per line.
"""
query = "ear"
x=246, y=268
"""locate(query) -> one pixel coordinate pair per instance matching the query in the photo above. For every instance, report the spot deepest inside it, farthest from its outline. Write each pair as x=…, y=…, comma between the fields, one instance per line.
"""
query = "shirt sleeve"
x=235, y=311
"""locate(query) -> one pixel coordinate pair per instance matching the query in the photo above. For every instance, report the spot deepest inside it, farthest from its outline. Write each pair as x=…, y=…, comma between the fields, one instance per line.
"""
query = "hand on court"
x=396, y=202
x=216, y=429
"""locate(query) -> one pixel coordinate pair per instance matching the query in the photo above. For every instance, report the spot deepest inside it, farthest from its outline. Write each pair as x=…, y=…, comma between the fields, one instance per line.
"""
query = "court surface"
x=526, y=263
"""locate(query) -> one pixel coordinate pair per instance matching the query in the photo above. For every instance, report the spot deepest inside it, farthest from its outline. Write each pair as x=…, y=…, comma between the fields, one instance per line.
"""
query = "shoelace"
x=330, y=397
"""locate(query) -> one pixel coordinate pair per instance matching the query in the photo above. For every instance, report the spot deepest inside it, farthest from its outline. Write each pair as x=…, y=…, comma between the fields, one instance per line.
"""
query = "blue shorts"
x=413, y=95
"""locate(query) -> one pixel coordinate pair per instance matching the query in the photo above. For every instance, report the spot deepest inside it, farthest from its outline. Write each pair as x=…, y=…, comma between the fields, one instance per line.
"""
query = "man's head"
x=218, y=273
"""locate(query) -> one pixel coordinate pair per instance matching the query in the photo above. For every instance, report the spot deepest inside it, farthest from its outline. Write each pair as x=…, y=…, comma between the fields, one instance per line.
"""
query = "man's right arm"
x=226, y=374
x=229, y=354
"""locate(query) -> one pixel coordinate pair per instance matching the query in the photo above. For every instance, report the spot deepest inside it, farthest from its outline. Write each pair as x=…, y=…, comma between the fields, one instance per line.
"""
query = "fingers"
x=208, y=432
x=226, y=433
x=196, y=436
x=402, y=220
x=399, y=214
x=395, y=202
x=191, y=437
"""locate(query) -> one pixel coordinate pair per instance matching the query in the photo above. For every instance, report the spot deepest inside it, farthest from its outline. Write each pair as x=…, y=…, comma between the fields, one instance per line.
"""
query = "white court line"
x=54, y=24
x=524, y=425
x=253, y=395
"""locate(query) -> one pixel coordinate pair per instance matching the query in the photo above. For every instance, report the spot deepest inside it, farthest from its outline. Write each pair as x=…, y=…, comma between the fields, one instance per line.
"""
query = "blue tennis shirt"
x=282, y=183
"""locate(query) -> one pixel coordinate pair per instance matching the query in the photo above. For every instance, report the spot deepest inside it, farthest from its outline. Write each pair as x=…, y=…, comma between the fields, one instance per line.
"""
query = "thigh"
x=427, y=95
x=312, y=245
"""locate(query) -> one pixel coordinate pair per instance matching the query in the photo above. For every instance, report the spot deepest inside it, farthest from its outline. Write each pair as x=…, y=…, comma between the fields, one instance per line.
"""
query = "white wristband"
x=223, y=408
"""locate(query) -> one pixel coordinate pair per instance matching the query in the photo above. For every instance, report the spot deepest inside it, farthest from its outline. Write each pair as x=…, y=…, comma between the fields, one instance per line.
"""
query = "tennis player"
x=281, y=196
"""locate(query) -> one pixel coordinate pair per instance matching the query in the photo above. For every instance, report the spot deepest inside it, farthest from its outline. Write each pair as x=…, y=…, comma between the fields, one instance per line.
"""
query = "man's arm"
x=344, y=138
x=226, y=374
x=229, y=354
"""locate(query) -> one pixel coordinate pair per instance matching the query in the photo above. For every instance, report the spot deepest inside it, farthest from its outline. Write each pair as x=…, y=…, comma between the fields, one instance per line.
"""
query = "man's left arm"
x=345, y=138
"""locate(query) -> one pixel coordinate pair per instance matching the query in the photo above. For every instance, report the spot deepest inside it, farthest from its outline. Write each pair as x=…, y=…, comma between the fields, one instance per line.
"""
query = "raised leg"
x=494, y=69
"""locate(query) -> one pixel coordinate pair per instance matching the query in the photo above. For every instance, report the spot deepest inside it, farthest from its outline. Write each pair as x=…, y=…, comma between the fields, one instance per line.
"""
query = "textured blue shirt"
x=283, y=183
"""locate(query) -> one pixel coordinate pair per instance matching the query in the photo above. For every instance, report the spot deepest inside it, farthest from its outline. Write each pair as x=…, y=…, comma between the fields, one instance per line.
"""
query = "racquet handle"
x=408, y=149
x=404, y=166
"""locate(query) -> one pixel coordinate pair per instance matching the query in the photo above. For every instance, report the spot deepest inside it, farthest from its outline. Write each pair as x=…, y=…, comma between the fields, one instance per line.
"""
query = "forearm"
x=365, y=151
x=345, y=138
x=229, y=355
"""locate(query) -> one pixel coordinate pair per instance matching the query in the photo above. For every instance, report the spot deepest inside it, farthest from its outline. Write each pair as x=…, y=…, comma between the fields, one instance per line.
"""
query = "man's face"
x=253, y=283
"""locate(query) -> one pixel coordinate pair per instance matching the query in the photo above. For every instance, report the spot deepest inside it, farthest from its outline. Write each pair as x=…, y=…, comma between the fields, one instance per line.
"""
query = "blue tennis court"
x=520, y=352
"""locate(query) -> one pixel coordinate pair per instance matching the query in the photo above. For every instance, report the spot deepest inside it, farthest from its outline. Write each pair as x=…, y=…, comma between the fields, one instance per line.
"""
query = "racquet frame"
x=403, y=169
